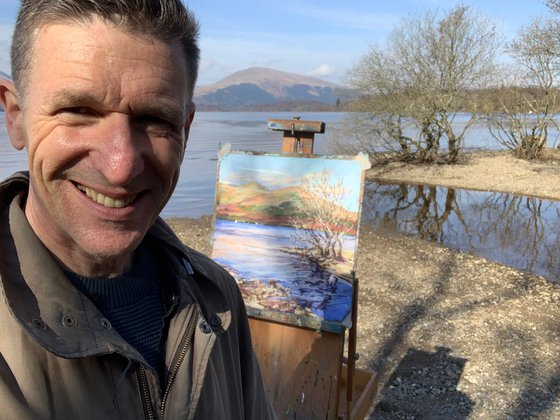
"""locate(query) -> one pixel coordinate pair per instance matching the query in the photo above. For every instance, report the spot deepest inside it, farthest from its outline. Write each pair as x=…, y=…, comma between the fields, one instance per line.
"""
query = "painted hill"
x=253, y=202
x=259, y=88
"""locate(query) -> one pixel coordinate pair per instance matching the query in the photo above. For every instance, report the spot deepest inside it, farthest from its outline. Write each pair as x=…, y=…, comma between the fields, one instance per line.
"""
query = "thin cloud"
x=322, y=70
x=346, y=17
x=222, y=56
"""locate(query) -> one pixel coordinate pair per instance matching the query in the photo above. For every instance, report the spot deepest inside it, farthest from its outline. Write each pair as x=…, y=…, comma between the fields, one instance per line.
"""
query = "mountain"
x=259, y=88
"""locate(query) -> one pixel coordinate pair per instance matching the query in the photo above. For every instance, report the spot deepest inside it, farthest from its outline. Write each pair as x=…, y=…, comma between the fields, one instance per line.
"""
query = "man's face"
x=105, y=122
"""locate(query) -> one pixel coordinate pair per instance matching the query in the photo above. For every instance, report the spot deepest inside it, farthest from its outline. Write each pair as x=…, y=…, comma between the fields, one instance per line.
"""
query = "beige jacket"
x=60, y=359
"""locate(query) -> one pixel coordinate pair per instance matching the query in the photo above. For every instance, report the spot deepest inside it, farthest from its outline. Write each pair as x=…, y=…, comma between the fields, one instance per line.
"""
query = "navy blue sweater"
x=133, y=305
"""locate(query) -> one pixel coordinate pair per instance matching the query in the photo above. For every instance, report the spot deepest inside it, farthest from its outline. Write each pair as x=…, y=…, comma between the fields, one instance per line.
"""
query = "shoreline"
x=480, y=171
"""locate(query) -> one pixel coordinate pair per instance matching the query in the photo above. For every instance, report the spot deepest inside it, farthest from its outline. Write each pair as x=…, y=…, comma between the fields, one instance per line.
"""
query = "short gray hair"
x=165, y=20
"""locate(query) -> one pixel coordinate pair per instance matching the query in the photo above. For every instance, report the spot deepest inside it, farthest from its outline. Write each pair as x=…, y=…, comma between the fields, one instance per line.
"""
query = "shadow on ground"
x=424, y=385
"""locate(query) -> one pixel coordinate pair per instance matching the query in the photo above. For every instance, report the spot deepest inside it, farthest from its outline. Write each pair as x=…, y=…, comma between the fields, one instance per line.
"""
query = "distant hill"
x=259, y=88
x=264, y=89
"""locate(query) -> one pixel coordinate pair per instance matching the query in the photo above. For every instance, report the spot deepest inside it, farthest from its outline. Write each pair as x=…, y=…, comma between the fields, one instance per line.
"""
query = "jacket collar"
x=207, y=285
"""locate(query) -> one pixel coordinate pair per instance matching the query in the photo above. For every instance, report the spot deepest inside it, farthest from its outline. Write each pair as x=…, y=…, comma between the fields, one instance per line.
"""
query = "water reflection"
x=522, y=232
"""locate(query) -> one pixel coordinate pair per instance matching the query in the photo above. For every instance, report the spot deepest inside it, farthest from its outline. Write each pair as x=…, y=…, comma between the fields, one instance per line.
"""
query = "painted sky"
x=322, y=38
x=285, y=171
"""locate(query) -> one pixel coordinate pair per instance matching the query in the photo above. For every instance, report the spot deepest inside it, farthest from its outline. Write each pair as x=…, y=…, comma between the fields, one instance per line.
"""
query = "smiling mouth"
x=104, y=200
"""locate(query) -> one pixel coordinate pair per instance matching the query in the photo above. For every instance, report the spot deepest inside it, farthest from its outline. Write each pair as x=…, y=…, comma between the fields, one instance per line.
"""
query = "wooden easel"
x=305, y=371
x=299, y=136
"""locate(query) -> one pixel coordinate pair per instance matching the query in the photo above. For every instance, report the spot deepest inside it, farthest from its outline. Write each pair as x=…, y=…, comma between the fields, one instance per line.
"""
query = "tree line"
x=441, y=63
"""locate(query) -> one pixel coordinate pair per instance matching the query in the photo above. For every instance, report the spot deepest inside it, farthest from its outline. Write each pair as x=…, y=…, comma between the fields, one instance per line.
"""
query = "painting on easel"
x=286, y=227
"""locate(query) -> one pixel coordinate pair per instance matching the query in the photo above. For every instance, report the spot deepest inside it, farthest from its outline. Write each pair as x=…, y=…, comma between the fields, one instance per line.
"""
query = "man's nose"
x=121, y=154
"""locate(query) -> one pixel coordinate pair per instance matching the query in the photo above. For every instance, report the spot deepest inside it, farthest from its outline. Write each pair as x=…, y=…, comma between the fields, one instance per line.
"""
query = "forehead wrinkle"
x=168, y=109
x=72, y=96
x=151, y=88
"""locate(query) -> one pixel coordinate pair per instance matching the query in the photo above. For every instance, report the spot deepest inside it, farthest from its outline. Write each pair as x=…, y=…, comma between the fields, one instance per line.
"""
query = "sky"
x=321, y=38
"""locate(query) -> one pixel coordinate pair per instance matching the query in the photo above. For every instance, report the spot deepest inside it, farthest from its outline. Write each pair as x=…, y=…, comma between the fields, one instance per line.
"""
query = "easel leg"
x=352, y=336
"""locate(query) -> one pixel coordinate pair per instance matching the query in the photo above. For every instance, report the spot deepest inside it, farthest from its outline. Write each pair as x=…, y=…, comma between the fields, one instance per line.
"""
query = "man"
x=104, y=313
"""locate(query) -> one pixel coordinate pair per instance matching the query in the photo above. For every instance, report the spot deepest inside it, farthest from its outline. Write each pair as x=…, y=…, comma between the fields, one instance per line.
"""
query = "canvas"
x=286, y=227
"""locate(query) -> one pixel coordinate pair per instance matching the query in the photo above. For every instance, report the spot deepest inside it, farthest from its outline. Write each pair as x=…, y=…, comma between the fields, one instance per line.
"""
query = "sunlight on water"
x=194, y=195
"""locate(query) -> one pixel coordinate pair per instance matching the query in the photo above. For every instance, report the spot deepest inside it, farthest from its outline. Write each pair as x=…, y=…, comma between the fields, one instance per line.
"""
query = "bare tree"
x=553, y=5
x=415, y=85
x=322, y=218
x=531, y=107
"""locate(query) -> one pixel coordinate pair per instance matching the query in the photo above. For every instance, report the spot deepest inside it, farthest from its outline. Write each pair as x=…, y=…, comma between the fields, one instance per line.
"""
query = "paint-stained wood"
x=298, y=134
x=303, y=144
x=301, y=369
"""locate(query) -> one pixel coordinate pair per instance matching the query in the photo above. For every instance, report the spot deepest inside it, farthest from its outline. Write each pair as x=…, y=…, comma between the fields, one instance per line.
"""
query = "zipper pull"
x=188, y=267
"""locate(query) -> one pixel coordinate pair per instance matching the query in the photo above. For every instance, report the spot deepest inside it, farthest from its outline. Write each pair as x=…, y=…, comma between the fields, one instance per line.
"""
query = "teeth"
x=104, y=200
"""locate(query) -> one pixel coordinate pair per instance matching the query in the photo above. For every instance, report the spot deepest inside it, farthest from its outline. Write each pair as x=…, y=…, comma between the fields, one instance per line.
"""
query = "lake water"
x=521, y=232
x=518, y=231
x=194, y=195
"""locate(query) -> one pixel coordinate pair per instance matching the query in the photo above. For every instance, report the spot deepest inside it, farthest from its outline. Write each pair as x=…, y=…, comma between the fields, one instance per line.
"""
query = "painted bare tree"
x=321, y=218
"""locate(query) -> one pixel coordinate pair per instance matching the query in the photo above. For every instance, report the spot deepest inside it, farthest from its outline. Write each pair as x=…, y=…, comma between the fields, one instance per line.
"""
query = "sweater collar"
x=126, y=289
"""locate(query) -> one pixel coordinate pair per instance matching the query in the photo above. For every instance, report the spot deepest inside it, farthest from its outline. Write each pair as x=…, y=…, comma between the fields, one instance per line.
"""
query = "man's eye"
x=159, y=124
x=77, y=110
x=157, y=127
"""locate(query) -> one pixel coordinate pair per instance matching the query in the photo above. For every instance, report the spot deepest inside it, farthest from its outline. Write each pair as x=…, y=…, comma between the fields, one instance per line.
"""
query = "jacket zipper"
x=185, y=350
x=146, y=393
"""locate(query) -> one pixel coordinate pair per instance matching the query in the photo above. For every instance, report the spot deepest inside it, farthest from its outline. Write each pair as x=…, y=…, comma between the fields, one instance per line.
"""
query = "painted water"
x=242, y=248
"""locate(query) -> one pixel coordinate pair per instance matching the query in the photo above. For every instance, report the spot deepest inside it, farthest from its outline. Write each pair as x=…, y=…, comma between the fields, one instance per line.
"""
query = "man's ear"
x=14, y=115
